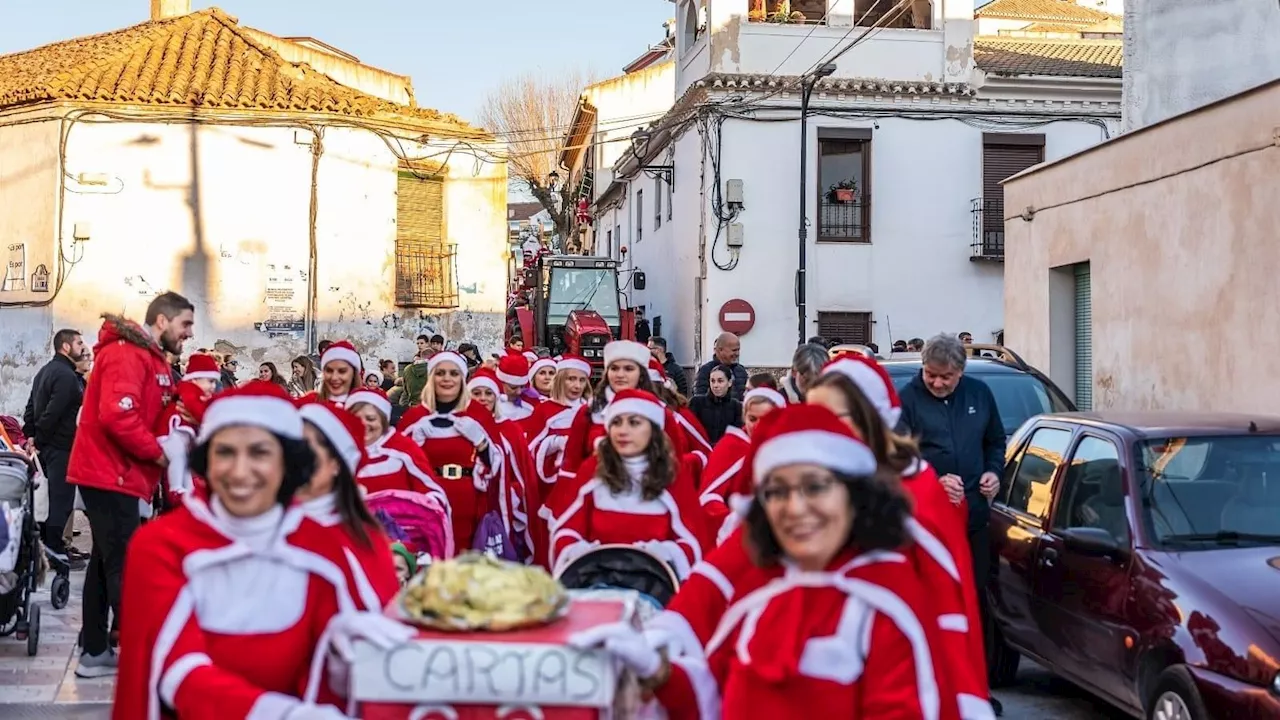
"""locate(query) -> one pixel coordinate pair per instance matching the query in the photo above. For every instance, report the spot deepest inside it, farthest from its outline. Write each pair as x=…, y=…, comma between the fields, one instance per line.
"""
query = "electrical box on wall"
x=733, y=192
x=735, y=235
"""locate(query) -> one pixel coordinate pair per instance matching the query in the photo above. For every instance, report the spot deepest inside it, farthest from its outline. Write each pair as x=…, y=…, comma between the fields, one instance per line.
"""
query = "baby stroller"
x=623, y=567
x=21, y=556
x=415, y=519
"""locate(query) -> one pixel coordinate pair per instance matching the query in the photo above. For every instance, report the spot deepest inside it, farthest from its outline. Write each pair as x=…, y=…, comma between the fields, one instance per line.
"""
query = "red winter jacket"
x=116, y=447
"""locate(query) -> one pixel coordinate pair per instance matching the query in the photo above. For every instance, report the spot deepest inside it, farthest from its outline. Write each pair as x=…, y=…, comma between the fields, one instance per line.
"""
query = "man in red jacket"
x=116, y=460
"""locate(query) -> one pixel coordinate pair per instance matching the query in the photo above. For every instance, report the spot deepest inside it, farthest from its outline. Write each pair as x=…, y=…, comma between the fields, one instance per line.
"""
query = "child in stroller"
x=22, y=562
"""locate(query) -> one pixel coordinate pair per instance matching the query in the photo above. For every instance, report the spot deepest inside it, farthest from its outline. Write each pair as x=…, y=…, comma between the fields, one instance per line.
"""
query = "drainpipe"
x=806, y=91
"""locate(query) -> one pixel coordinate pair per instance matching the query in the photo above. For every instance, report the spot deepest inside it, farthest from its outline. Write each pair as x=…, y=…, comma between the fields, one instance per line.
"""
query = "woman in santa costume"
x=549, y=426
x=460, y=441
x=625, y=368
x=695, y=435
x=728, y=479
x=859, y=391
x=516, y=487
x=340, y=368
x=636, y=493
x=179, y=425
x=230, y=607
x=515, y=398
x=816, y=616
x=393, y=461
x=333, y=500
x=542, y=376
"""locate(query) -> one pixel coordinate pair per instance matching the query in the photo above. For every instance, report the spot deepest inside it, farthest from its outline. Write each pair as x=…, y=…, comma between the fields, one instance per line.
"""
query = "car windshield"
x=1019, y=396
x=1200, y=492
x=583, y=289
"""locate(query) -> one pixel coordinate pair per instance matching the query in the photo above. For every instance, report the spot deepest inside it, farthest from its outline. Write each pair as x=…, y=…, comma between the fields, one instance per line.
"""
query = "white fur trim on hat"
x=539, y=364
x=207, y=375
x=655, y=375
x=447, y=356
x=531, y=356
x=483, y=381
x=274, y=414
x=513, y=380
x=346, y=355
x=871, y=384
x=651, y=411
x=764, y=393
x=839, y=453
x=581, y=366
x=377, y=400
x=626, y=350
x=332, y=428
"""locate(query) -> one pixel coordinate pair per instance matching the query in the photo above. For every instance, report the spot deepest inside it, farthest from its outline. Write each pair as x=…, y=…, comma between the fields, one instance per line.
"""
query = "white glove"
x=555, y=444
x=672, y=553
x=471, y=430
x=176, y=445
x=145, y=511
x=315, y=712
x=625, y=643
x=372, y=627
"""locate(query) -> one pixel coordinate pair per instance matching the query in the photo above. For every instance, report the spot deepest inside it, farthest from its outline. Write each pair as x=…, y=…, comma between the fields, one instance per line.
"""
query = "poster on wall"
x=15, y=268
x=286, y=302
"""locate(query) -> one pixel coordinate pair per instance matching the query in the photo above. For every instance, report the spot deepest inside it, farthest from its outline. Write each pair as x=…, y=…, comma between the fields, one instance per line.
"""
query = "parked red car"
x=1138, y=555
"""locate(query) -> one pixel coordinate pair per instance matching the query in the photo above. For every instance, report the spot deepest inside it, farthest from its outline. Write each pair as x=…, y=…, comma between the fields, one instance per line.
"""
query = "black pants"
x=113, y=518
x=62, y=497
x=980, y=548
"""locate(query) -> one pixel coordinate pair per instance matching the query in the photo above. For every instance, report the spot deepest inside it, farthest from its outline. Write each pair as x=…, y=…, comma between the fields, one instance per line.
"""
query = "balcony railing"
x=844, y=221
x=823, y=12
x=988, y=230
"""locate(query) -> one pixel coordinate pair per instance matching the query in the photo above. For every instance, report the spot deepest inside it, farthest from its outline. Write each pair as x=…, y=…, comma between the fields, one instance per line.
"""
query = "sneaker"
x=96, y=666
x=997, y=707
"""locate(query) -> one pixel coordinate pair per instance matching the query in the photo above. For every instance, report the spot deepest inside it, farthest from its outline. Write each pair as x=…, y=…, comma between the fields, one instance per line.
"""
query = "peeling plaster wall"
x=244, y=244
x=1182, y=54
x=1171, y=274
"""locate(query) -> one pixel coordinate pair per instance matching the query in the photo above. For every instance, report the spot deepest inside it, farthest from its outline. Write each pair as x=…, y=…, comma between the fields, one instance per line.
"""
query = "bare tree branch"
x=531, y=113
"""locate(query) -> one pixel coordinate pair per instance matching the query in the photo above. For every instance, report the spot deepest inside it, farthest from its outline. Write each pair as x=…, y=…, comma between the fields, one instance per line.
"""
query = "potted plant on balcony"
x=843, y=192
x=757, y=13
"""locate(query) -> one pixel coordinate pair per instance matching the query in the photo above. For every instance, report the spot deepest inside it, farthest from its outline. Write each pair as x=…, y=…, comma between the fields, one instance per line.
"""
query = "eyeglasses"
x=810, y=490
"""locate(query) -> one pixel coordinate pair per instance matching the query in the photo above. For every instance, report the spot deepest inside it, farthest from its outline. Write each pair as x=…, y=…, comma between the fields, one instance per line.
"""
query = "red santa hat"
x=626, y=350
x=372, y=396
x=530, y=356
x=539, y=364
x=449, y=357
x=636, y=402
x=193, y=400
x=484, y=378
x=868, y=376
x=657, y=373
x=764, y=393
x=514, y=370
x=344, y=351
x=202, y=367
x=343, y=430
x=573, y=362
x=257, y=403
x=812, y=435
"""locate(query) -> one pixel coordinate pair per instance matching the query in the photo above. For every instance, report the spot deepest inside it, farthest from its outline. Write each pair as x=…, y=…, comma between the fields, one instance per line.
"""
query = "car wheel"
x=1176, y=697
x=1002, y=662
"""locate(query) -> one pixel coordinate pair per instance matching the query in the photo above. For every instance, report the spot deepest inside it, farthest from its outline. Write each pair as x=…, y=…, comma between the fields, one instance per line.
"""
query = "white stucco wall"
x=624, y=104
x=1182, y=54
x=253, y=192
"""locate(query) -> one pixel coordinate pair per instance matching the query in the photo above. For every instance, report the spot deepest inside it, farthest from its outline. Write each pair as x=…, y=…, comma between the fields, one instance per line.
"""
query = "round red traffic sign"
x=737, y=316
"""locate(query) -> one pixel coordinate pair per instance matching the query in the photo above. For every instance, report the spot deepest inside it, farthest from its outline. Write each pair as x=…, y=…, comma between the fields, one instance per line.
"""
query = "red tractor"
x=569, y=304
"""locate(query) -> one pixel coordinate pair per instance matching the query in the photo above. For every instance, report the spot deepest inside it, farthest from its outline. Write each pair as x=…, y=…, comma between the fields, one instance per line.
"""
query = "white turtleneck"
x=636, y=466
x=322, y=509
x=257, y=532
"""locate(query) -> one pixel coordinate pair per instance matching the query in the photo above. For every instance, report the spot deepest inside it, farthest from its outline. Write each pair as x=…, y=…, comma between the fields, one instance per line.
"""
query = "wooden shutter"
x=850, y=327
x=425, y=263
x=1084, y=337
x=419, y=209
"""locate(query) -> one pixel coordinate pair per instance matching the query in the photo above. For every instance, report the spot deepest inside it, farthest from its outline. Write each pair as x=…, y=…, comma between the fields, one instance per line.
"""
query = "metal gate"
x=1084, y=338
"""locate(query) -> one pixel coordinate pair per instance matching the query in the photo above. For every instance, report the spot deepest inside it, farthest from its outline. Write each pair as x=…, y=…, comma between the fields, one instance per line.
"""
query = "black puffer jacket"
x=716, y=414
x=56, y=394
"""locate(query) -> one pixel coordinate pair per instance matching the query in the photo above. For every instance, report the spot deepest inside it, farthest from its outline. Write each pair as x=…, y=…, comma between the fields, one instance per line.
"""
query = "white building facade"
x=906, y=145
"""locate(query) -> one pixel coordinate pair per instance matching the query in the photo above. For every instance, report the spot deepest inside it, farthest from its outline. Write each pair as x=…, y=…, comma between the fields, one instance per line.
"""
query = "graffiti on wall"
x=15, y=269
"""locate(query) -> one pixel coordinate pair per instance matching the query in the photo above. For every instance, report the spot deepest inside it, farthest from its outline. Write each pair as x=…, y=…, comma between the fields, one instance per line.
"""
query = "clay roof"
x=203, y=60
x=1051, y=28
x=1036, y=56
x=1042, y=10
x=522, y=210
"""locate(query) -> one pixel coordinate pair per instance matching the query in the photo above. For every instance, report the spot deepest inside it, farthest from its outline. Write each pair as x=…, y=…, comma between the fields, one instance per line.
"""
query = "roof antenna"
x=1253, y=426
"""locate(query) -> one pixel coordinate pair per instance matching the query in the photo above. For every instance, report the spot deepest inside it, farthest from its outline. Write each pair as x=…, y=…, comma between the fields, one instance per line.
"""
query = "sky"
x=456, y=51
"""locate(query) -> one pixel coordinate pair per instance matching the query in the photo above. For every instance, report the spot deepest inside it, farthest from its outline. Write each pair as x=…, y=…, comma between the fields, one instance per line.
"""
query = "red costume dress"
x=587, y=429
x=223, y=616
x=726, y=482
x=517, y=494
x=671, y=526
x=177, y=435
x=396, y=463
x=549, y=435
x=452, y=441
x=368, y=567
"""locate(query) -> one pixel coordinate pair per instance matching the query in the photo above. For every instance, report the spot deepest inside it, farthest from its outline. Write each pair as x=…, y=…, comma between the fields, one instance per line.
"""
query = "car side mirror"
x=1092, y=541
x=637, y=279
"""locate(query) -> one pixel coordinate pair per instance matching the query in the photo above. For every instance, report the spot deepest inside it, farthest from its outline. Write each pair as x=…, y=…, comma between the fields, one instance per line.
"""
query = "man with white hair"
x=726, y=352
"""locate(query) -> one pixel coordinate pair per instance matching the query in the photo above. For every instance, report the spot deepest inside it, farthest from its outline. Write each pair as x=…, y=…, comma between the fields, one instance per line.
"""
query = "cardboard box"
x=522, y=675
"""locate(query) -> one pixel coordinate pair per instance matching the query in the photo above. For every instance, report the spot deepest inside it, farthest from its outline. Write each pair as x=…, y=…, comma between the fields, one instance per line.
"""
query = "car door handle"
x=1047, y=557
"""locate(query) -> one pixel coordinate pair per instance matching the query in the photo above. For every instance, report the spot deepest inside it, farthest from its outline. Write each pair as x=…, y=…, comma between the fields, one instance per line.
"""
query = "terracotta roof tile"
x=1035, y=56
x=204, y=59
x=1051, y=28
x=1042, y=10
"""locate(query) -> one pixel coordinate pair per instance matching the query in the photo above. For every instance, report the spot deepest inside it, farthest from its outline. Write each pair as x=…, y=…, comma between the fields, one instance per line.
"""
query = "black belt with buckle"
x=454, y=472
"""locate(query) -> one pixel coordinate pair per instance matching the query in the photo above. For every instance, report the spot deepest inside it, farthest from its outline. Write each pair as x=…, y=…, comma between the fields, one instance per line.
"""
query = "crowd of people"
x=828, y=533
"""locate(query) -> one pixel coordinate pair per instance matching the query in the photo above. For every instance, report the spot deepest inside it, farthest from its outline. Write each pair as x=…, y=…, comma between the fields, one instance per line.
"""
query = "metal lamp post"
x=807, y=84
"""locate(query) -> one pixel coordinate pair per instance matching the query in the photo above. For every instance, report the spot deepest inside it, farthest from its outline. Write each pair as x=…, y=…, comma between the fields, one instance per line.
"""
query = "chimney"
x=165, y=9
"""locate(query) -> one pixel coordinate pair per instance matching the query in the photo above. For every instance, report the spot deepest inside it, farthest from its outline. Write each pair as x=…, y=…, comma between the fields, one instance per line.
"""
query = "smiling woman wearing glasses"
x=808, y=610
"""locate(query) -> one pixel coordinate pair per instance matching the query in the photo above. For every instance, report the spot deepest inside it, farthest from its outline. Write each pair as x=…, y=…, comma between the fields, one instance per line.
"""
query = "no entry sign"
x=737, y=316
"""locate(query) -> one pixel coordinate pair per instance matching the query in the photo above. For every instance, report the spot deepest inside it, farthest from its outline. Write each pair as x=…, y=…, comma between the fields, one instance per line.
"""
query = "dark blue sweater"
x=960, y=434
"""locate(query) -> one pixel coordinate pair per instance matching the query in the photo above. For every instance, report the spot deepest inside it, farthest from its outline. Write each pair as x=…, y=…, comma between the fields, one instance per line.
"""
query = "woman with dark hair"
x=717, y=410
x=268, y=372
x=332, y=499
x=340, y=368
x=636, y=493
x=762, y=380
x=697, y=440
x=859, y=391
x=227, y=603
x=305, y=379
x=728, y=478
x=808, y=611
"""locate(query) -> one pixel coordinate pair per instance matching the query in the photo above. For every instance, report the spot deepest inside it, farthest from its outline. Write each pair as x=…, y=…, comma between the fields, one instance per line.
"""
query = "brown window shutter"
x=1000, y=162
x=851, y=327
x=419, y=209
x=425, y=263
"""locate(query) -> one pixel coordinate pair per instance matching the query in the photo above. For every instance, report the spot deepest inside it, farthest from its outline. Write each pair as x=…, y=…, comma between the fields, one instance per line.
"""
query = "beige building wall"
x=1178, y=222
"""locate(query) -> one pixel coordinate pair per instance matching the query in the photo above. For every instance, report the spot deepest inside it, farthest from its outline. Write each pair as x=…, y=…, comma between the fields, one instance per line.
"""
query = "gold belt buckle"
x=451, y=472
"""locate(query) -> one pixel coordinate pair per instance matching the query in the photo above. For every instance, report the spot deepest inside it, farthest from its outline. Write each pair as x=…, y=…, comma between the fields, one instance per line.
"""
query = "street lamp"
x=807, y=83
x=553, y=181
